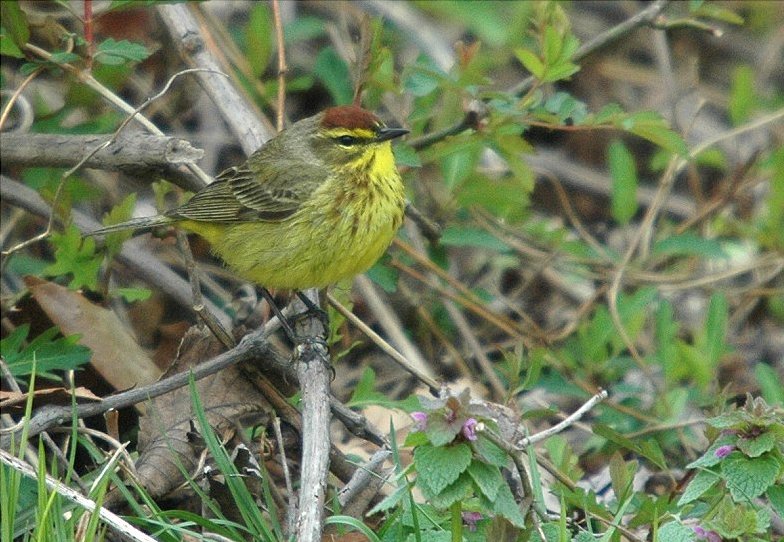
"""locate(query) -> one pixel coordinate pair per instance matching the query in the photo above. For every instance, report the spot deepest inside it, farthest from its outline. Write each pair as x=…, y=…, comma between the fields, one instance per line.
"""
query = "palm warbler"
x=318, y=203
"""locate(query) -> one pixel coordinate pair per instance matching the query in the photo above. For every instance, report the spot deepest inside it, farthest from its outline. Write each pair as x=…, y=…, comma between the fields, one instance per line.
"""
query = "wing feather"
x=237, y=195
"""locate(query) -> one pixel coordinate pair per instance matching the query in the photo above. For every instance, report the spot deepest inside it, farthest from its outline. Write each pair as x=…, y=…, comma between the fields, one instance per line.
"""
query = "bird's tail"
x=137, y=224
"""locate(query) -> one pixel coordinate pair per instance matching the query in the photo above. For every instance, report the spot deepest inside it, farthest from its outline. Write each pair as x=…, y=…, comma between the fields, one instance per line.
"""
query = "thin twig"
x=383, y=345
x=282, y=68
x=291, y=508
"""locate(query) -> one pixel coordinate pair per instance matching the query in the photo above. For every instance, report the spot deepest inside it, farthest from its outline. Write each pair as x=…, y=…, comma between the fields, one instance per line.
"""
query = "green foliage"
x=115, y=53
x=334, y=74
x=457, y=463
x=45, y=353
x=735, y=488
x=623, y=171
x=76, y=257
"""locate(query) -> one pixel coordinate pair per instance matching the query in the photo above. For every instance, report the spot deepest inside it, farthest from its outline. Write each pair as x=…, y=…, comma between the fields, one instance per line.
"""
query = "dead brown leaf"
x=117, y=357
x=229, y=401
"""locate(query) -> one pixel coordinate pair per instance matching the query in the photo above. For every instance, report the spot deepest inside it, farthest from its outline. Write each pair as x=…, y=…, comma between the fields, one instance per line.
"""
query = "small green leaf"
x=490, y=452
x=115, y=53
x=709, y=10
x=716, y=328
x=63, y=57
x=531, y=62
x=506, y=506
x=14, y=25
x=454, y=492
x=689, y=244
x=486, y=477
x=458, y=236
x=334, y=74
x=405, y=155
x=119, y=213
x=457, y=166
x=50, y=354
x=132, y=294
x=756, y=446
x=76, y=257
x=623, y=170
x=742, y=96
x=775, y=495
x=384, y=275
x=748, y=478
x=439, y=466
x=552, y=44
x=675, y=531
x=702, y=482
x=7, y=45
x=258, y=38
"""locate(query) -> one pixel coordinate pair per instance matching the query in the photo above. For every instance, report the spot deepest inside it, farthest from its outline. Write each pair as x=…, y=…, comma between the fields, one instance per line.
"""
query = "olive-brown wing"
x=240, y=195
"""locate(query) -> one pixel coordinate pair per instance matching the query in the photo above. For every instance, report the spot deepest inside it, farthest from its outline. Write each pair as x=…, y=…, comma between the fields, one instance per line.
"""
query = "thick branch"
x=136, y=154
x=50, y=416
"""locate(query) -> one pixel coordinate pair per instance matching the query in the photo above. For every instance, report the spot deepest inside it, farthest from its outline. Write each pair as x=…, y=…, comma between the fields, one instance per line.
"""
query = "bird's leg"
x=284, y=322
x=314, y=310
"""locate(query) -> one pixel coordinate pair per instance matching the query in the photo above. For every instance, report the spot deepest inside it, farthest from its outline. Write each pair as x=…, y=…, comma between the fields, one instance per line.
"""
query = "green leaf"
x=259, y=35
x=675, y=531
x=716, y=328
x=458, y=236
x=689, y=244
x=50, y=354
x=405, y=155
x=748, y=478
x=439, y=466
x=132, y=294
x=666, y=338
x=489, y=452
x=334, y=74
x=775, y=495
x=506, y=506
x=771, y=387
x=115, y=53
x=531, y=62
x=384, y=275
x=709, y=10
x=14, y=25
x=651, y=126
x=454, y=492
x=7, y=45
x=365, y=393
x=742, y=100
x=702, y=482
x=119, y=213
x=756, y=446
x=486, y=477
x=623, y=170
x=457, y=166
x=76, y=257
x=63, y=57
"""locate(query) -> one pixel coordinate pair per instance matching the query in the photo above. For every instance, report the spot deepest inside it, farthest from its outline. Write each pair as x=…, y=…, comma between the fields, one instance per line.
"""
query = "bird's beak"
x=385, y=134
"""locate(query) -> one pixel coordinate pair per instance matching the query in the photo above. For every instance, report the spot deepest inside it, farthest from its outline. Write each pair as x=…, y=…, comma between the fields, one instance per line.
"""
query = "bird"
x=317, y=204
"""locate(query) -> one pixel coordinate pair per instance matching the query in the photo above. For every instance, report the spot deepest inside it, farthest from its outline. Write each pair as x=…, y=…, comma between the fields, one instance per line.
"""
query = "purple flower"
x=723, y=451
x=469, y=429
x=710, y=536
x=470, y=519
x=420, y=420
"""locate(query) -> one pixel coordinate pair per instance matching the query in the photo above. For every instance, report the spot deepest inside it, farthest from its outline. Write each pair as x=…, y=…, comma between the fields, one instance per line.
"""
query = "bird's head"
x=349, y=137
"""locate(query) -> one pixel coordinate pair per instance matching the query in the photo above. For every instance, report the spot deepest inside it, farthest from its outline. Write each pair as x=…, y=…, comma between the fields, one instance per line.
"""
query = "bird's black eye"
x=346, y=140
